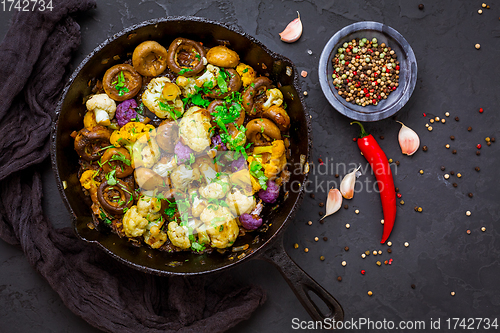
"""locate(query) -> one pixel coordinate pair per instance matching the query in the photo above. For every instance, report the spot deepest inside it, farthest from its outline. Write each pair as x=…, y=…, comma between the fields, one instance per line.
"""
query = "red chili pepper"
x=380, y=166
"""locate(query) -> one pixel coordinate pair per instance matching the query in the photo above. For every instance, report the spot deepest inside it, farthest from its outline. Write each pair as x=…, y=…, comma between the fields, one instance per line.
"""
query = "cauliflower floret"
x=145, y=151
x=242, y=179
x=210, y=75
x=165, y=166
x=197, y=204
x=153, y=236
x=240, y=203
x=103, y=107
x=247, y=74
x=276, y=162
x=182, y=176
x=274, y=97
x=187, y=84
x=149, y=208
x=89, y=121
x=154, y=100
x=221, y=226
x=217, y=189
x=129, y=133
x=194, y=129
x=178, y=235
x=87, y=180
x=134, y=224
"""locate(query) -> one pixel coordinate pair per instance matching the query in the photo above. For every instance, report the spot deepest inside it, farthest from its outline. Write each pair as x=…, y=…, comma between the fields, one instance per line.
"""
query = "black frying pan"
x=266, y=245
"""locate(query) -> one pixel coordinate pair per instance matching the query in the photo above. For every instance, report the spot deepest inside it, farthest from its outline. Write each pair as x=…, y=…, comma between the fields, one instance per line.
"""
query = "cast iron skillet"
x=268, y=245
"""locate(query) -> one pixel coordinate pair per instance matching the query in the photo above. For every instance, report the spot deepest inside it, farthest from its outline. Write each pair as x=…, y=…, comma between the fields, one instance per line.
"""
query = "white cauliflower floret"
x=194, y=129
x=210, y=75
x=145, y=151
x=217, y=189
x=197, y=204
x=134, y=224
x=182, y=176
x=165, y=166
x=154, y=100
x=149, y=207
x=274, y=96
x=187, y=84
x=153, y=236
x=104, y=108
x=220, y=225
x=240, y=203
x=178, y=235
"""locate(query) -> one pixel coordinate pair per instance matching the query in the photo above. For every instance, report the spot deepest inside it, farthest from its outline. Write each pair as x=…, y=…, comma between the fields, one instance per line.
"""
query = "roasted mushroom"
x=89, y=144
x=279, y=116
x=259, y=85
x=150, y=58
x=261, y=130
x=114, y=198
x=234, y=84
x=147, y=179
x=218, y=105
x=221, y=56
x=186, y=57
x=122, y=82
x=167, y=134
x=117, y=159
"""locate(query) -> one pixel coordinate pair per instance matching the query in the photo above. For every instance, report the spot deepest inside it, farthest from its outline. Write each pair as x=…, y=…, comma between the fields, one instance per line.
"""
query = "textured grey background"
x=453, y=76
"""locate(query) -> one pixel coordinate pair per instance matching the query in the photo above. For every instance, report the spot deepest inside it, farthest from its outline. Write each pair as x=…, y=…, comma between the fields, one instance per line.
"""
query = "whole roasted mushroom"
x=221, y=56
x=186, y=57
x=89, y=144
x=167, y=134
x=117, y=159
x=260, y=84
x=279, y=116
x=261, y=130
x=122, y=82
x=147, y=179
x=150, y=58
x=115, y=198
x=213, y=109
x=234, y=84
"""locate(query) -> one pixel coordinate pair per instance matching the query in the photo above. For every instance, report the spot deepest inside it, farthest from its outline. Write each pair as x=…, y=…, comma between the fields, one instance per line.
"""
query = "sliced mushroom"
x=121, y=82
x=234, y=84
x=89, y=144
x=150, y=58
x=186, y=57
x=117, y=159
x=167, y=134
x=279, y=116
x=261, y=83
x=114, y=198
x=261, y=130
x=221, y=56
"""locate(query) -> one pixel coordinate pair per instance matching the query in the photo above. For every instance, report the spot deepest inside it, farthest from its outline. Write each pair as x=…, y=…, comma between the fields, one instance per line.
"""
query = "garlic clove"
x=347, y=184
x=333, y=202
x=408, y=140
x=293, y=31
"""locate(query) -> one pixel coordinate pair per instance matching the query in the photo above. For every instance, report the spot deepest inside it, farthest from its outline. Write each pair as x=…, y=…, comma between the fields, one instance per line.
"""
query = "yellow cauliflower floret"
x=240, y=203
x=247, y=73
x=129, y=133
x=217, y=189
x=134, y=224
x=242, y=179
x=274, y=97
x=220, y=225
x=194, y=129
x=87, y=180
x=154, y=100
x=153, y=236
x=145, y=151
x=149, y=207
x=178, y=235
x=89, y=121
x=103, y=107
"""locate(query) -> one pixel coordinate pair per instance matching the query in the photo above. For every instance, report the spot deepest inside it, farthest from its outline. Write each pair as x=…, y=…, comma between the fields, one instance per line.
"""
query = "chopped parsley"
x=140, y=109
x=174, y=114
x=120, y=157
x=184, y=71
x=195, y=246
x=258, y=173
x=120, y=84
x=221, y=81
x=110, y=177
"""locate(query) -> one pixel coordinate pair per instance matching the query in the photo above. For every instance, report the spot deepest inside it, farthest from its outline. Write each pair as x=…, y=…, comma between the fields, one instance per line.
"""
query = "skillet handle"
x=302, y=284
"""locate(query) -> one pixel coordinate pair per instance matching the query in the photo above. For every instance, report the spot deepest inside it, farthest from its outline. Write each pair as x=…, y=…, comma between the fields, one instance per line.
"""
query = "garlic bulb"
x=347, y=184
x=293, y=31
x=408, y=140
x=333, y=202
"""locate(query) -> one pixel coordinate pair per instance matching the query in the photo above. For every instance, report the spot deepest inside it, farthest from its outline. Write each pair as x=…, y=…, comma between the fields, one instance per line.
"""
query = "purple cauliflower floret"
x=182, y=152
x=239, y=164
x=271, y=193
x=125, y=111
x=217, y=142
x=250, y=222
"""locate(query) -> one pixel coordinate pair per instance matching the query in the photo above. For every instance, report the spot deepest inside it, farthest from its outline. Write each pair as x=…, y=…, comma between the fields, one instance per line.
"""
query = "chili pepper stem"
x=363, y=133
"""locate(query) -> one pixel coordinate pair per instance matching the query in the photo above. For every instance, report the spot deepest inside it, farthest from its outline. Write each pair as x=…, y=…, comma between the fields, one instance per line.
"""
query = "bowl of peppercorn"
x=367, y=71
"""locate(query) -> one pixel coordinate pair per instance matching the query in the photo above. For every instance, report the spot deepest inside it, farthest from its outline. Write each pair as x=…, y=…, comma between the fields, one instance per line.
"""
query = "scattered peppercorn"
x=479, y=11
x=397, y=189
x=321, y=204
x=421, y=6
x=367, y=252
x=443, y=168
x=346, y=248
x=399, y=195
x=344, y=263
x=455, y=184
x=457, y=119
x=454, y=151
x=374, y=252
x=478, y=46
x=413, y=286
x=296, y=245
x=483, y=229
x=447, y=146
x=452, y=137
x=325, y=238
x=407, y=244
x=402, y=202
x=424, y=148
x=478, y=153
x=363, y=255
x=452, y=293
x=446, y=176
x=420, y=209
x=452, y=173
x=469, y=128
x=389, y=250
x=468, y=232
x=322, y=258
x=309, y=223
x=416, y=208
x=429, y=128
x=363, y=272
x=356, y=211
x=397, y=162
x=492, y=139
x=421, y=172
x=389, y=243
x=347, y=226
x=381, y=137
x=320, y=160
x=306, y=250
x=370, y=293
x=459, y=175
x=470, y=195
x=477, y=169
x=481, y=110
x=312, y=195
x=478, y=146
x=443, y=120
x=378, y=263
x=447, y=114
x=488, y=143
x=346, y=206
x=316, y=239
x=468, y=213
x=336, y=175
x=386, y=262
x=321, y=214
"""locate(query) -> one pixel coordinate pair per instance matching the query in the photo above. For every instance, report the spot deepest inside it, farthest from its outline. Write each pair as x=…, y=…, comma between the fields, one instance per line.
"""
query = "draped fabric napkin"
x=34, y=58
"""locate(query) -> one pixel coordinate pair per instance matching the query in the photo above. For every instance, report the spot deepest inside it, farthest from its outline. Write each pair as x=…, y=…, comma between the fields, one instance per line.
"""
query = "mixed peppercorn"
x=365, y=72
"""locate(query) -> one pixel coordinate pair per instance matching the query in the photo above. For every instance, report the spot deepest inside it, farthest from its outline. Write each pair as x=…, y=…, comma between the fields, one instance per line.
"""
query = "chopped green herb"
x=120, y=157
x=120, y=85
x=110, y=177
x=195, y=246
x=184, y=71
x=245, y=70
x=258, y=173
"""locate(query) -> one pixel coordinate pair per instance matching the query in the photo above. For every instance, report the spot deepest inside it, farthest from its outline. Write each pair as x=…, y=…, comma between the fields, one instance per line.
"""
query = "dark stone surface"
x=453, y=77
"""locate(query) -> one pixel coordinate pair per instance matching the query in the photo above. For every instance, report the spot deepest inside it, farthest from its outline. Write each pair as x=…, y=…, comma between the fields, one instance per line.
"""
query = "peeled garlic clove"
x=293, y=31
x=347, y=184
x=408, y=140
x=333, y=202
